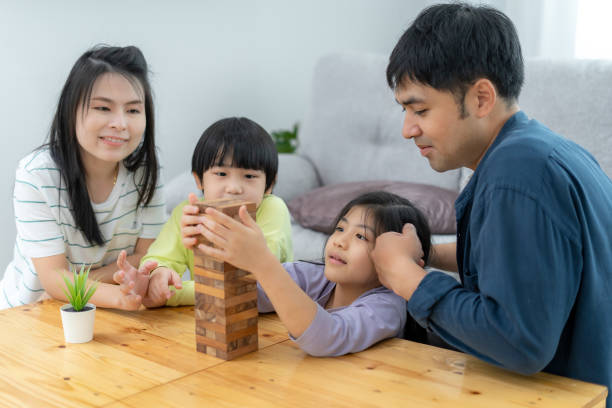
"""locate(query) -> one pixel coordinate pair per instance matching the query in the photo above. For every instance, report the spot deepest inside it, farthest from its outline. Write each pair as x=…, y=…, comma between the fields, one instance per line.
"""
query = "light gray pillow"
x=317, y=209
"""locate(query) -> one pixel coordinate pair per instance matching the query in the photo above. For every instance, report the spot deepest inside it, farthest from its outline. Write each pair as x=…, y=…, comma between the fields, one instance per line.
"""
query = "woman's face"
x=111, y=128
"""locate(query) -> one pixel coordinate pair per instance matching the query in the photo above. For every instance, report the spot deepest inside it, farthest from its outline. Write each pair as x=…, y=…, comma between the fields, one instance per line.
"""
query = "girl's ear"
x=198, y=181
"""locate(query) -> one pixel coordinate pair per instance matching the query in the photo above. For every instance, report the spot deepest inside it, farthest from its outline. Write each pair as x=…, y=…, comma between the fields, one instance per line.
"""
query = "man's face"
x=433, y=120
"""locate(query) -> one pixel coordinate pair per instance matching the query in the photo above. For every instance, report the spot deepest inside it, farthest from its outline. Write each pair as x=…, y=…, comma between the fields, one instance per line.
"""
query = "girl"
x=332, y=309
x=91, y=191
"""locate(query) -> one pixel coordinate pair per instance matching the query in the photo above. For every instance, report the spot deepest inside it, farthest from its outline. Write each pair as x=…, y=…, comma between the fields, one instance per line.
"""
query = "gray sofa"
x=352, y=131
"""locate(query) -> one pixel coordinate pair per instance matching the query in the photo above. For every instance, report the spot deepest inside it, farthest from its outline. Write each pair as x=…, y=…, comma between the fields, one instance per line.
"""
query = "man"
x=534, y=224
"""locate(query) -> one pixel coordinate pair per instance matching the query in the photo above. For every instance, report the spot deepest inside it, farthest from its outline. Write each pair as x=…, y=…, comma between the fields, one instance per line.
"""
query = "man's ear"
x=198, y=180
x=483, y=97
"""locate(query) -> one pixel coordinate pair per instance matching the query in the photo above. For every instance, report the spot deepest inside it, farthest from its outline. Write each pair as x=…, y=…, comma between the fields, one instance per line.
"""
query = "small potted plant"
x=286, y=141
x=78, y=315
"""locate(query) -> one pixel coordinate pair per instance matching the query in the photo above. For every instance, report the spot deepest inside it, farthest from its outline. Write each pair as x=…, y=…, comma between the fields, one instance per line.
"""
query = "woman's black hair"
x=390, y=212
x=64, y=147
x=247, y=144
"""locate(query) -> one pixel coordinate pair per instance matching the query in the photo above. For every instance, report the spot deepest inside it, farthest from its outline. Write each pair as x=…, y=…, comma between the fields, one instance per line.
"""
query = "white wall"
x=209, y=59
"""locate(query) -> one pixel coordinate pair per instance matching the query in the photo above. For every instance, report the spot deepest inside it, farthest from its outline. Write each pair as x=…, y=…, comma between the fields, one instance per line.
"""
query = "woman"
x=92, y=190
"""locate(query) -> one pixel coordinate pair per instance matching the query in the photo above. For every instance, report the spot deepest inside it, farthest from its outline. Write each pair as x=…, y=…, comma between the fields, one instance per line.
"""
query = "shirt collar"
x=466, y=195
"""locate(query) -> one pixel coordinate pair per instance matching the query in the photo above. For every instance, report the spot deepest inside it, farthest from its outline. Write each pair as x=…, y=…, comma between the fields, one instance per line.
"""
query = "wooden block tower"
x=225, y=298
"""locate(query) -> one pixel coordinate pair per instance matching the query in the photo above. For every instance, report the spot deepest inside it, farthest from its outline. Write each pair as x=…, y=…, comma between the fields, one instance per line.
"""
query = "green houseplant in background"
x=286, y=141
x=78, y=316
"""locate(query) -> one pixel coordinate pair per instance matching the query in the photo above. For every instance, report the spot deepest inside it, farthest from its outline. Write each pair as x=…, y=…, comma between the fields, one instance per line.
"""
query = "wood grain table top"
x=148, y=359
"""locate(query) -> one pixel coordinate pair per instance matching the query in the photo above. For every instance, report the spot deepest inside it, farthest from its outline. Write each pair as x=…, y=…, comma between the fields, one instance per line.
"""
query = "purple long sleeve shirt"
x=374, y=316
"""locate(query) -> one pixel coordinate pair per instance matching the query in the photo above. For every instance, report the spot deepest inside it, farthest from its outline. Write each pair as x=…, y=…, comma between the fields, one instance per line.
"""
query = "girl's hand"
x=159, y=291
x=131, y=280
x=241, y=244
x=190, y=221
x=398, y=259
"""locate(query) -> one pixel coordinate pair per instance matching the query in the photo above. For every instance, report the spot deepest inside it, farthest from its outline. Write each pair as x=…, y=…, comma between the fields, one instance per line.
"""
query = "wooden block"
x=228, y=207
x=225, y=299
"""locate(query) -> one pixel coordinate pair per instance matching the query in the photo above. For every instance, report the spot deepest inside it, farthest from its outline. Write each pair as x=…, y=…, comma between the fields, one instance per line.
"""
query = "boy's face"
x=232, y=183
x=433, y=119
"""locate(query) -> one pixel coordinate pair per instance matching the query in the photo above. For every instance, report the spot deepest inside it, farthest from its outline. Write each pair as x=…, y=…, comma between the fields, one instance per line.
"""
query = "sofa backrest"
x=573, y=97
x=352, y=131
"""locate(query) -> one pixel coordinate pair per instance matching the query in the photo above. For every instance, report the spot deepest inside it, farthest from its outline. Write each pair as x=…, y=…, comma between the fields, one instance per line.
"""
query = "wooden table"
x=148, y=359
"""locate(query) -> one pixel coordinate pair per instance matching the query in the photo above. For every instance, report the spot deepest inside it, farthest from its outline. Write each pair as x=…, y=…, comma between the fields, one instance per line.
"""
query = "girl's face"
x=347, y=252
x=113, y=125
x=232, y=183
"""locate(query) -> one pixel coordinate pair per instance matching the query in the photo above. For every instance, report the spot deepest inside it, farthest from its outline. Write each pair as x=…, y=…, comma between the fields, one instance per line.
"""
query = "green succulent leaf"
x=79, y=291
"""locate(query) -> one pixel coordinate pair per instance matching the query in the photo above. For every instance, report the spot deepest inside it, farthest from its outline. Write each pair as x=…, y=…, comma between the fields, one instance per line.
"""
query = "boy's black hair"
x=390, y=213
x=64, y=147
x=247, y=144
x=449, y=46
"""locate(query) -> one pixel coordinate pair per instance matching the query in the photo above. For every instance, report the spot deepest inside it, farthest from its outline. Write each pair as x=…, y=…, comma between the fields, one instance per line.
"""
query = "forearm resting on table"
x=106, y=295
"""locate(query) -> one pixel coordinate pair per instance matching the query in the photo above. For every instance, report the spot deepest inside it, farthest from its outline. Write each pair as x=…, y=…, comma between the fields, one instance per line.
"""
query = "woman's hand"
x=132, y=280
x=241, y=244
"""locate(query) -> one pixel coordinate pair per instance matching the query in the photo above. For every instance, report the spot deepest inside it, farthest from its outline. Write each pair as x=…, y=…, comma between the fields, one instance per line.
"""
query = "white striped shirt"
x=46, y=227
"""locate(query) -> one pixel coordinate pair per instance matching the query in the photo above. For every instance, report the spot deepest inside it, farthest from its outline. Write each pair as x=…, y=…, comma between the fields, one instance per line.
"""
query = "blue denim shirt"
x=534, y=251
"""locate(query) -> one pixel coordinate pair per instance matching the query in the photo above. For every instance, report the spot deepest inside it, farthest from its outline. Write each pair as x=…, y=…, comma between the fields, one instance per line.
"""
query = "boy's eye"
x=134, y=111
x=339, y=229
x=420, y=112
x=101, y=108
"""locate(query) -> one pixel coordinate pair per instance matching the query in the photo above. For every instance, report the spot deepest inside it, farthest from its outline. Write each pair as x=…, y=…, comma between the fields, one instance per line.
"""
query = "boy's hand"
x=190, y=221
x=159, y=292
x=242, y=244
x=398, y=259
x=131, y=280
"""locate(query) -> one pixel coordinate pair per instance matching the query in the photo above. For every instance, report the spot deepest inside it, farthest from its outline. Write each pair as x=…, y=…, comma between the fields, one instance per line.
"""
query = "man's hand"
x=398, y=259
x=159, y=291
x=131, y=280
x=190, y=221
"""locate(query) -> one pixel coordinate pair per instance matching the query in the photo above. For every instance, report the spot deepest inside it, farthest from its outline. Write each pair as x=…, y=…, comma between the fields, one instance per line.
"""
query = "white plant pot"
x=78, y=326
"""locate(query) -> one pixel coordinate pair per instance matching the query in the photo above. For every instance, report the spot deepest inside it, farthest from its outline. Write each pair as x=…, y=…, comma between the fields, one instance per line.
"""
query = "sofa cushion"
x=317, y=209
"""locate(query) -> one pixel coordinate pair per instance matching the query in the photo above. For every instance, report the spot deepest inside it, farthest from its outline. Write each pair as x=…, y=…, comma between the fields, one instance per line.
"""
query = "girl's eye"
x=250, y=176
x=361, y=237
x=221, y=174
x=101, y=108
x=134, y=111
x=339, y=229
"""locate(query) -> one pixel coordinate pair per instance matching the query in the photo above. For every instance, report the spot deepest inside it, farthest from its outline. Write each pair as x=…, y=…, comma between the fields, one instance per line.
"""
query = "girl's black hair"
x=247, y=144
x=390, y=212
x=64, y=147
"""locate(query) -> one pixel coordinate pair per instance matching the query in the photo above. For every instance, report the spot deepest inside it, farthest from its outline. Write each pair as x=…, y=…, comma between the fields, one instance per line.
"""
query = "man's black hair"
x=450, y=46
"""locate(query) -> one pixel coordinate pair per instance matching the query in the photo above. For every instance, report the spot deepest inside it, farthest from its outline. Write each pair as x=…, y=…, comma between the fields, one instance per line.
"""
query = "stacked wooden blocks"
x=225, y=298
